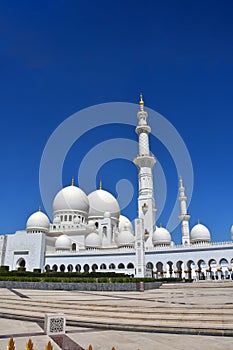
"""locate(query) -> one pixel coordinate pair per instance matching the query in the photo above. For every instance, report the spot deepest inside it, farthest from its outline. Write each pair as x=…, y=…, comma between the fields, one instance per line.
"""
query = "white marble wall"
x=30, y=247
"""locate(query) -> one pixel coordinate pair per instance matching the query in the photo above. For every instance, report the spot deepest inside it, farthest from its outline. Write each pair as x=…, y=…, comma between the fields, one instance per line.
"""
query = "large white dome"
x=71, y=198
x=199, y=233
x=123, y=220
x=38, y=221
x=101, y=202
x=63, y=242
x=161, y=236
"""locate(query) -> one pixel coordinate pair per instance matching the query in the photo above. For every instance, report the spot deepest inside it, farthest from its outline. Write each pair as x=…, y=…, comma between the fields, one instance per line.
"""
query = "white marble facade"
x=88, y=233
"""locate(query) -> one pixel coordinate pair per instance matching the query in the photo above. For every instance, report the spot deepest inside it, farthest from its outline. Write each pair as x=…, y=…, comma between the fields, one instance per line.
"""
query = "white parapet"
x=55, y=324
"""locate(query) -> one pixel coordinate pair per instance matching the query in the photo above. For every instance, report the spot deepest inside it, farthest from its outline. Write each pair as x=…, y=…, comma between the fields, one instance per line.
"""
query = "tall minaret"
x=145, y=162
x=184, y=216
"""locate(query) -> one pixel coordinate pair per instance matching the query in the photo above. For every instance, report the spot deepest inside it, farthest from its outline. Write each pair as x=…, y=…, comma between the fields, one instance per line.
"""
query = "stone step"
x=130, y=317
x=217, y=329
x=198, y=284
x=167, y=310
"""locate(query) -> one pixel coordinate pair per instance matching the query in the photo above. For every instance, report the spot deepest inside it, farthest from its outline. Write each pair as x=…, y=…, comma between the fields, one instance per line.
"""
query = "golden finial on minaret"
x=141, y=102
x=198, y=221
x=39, y=209
x=181, y=181
x=72, y=181
x=101, y=185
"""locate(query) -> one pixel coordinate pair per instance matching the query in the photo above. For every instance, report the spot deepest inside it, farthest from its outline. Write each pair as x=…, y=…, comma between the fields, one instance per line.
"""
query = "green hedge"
x=75, y=277
x=4, y=268
x=85, y=279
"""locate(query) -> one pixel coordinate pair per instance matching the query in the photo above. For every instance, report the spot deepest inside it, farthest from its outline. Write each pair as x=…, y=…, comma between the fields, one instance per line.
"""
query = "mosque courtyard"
x=175, y=316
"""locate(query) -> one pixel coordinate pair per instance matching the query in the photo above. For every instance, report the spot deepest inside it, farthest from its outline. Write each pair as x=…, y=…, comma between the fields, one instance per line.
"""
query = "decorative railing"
x=94, y=251
x=30, y=346
x=190, y=246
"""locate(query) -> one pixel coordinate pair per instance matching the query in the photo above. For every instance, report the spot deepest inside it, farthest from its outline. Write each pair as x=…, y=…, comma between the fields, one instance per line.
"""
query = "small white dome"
x=232, y=232
x=57, y=220
x=199, y=233
x=125, y=237
x=91, y=226
x=124, y=220
x=38, y=221
x=93, y=240
x=71, y=198
x=101, y=202
x=63, y=242
x=161, y=236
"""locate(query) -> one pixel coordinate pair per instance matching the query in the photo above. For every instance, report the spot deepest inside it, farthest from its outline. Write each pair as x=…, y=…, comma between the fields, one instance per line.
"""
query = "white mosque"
x=88, y=233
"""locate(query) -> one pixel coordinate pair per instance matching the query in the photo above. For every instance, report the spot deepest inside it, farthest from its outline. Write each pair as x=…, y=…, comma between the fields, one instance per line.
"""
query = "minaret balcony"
x=184, y=217
x=143, y=128
x=145, y=160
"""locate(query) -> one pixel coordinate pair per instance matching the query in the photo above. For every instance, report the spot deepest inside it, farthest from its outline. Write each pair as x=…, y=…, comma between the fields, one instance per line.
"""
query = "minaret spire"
x=184, y=216
x=141, y=102
x=145, y=162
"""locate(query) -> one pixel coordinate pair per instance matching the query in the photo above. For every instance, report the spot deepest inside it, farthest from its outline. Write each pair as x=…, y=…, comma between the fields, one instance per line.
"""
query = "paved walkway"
x=195, y=302
x=104, y=340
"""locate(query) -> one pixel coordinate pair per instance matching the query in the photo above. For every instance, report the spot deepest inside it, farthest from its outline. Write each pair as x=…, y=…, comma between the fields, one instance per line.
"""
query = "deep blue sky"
x=57, y=57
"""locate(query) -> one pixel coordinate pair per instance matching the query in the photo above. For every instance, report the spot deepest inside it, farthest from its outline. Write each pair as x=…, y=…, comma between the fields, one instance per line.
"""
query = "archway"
x=179, y=266
x=159, y=267
x=62, y=268
x=170, y=268
x=86, y=268
x=201, y=269
x=94, y=267
x=70, y=268
x=55, y=268
x=223, y=261
x=121, y=266
x=213, y=268
x=103, y=267
x=130, y=266
x=47, y=268
x=78, y=268
x=21, y=263
x=149, y=266
x=224, y=265
x=191, y=269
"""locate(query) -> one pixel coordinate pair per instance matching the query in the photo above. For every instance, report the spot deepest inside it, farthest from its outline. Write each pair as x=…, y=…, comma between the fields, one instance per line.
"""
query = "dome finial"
x=198, y=221
x=141, y=102
x=181, y=181
x=101, y=185
x=161, y=224
x=72, y=181
x=39, y=209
